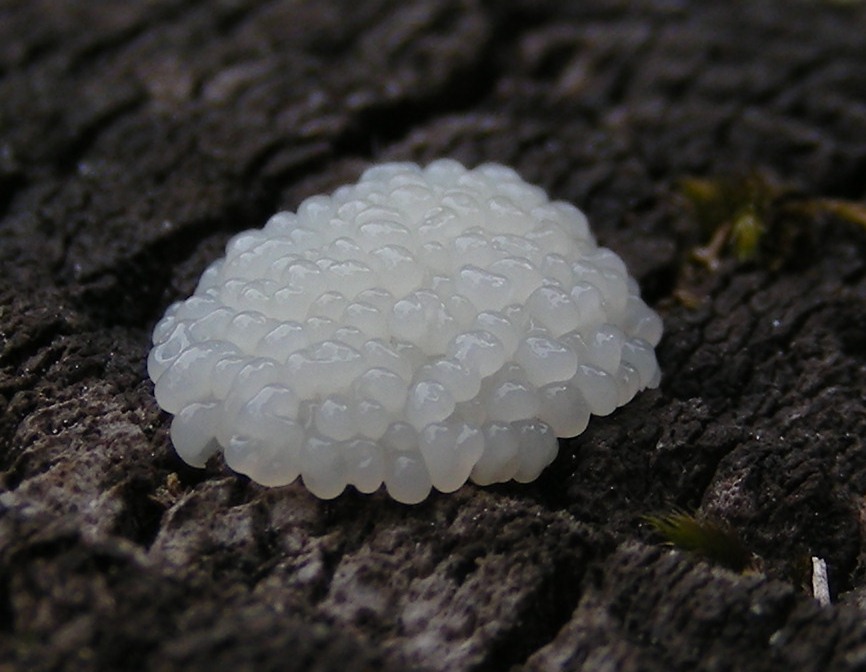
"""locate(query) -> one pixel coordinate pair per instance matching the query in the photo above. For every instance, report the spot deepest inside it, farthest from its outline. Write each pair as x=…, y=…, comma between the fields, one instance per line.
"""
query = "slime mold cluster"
x=420, y=328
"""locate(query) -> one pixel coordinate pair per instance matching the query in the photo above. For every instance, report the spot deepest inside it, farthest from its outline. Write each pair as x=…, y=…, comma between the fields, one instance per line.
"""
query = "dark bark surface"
x=137, y=137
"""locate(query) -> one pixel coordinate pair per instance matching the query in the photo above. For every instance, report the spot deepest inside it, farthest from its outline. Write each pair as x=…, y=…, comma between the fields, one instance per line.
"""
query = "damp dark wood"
x=138, y=137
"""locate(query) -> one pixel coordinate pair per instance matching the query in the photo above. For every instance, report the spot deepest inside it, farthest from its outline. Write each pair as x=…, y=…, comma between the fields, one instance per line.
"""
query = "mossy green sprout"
x=752, y=215
x=847, y=211
x=732, y=211
x=709, y=539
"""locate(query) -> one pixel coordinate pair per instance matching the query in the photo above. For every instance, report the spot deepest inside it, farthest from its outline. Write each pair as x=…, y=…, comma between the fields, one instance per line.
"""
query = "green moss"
x=709, y=539
x=732, y=212
x=754, y=218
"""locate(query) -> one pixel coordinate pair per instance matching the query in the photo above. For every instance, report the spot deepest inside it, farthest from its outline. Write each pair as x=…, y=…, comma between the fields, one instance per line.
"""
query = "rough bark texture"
x=137, y=137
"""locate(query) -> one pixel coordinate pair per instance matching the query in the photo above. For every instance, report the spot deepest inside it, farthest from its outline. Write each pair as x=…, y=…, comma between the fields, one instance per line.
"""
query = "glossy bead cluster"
x=422, y=327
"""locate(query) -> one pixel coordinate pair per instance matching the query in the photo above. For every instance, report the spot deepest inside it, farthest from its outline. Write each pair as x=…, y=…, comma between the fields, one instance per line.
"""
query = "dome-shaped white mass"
x=422, y=327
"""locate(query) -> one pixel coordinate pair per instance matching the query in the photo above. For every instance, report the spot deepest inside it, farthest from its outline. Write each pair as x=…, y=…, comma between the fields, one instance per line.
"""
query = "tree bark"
x=137, y=138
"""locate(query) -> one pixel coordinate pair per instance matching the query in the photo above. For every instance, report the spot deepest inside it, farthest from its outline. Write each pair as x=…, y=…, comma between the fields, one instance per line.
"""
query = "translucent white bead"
x=556, y=267
x=413, y=199
x=376, y=214
x=598, y=388
x=479, y=351
x=435, y=256
x=289, y=304
x=281, y=223
x=588, y=300
x=351, y=277
x=438, y=223
x=267, y=461
x=483, y=288
x=400, y=437
x=211, y=278
x=315, y=211
x=266, y=413
x=627, y=383
x=605, y=347
x=379, y=354
x=351, y=336
x=383, y=386
x=567, y=216
x=215, y=322
x=475, y=182
x=246, y=329
x=407, y=320
x=642, y=322
x=372, y=418
x=410, y=353
x=166, y=324
x=337, y=363
x=381, y=299
x=550, y=237
x=365, y=464
x=642, y=357
x=351, y=204
x=523, y=276
x=501, y=327
x=450, y=449
x=603, y=258
x=473, y=411
x=302, y=371
x=323, y=467
x=444, y=172
x=467, y=207
x=500, y=459
x=428, y=401
x=564, y=409
x=461, y=309
x=400, y=266
x=243, y=241
x=163, y=354
x=245, y=412
x=545, y=360
x=196, y=307
x=575, y=341
x=505, y=216
x=269, y=457
x=188, y=379
x=270, y=249
x=527, y=195
x=344, y=249
x=305, y=279
x=384, y=171
x=406, y=477
x=282, y=340
x=379, y=233
x=335, y=418
x=193, y=430
x=509, y=396
x=538, y=448
x=516, y=246
x=497, y=173
x=225, y=372
x=554, y=308
x=461, y=382
x=330, y=304
x=614, y=292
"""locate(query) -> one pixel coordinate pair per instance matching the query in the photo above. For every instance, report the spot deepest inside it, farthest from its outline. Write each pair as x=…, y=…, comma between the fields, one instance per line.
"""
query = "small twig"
x=710, y=255
x=820, y=587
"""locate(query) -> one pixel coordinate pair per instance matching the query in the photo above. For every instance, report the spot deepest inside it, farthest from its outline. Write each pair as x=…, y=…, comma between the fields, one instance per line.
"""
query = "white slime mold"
x=422, y=327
